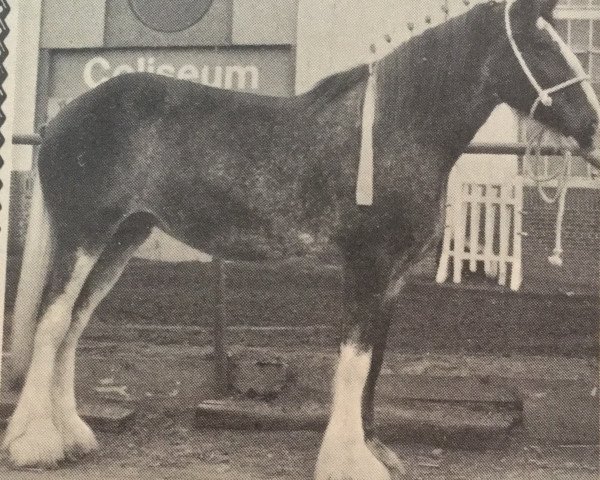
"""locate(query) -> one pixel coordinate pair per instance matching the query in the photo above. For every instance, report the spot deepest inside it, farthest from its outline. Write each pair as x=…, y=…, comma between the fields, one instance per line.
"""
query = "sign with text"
x=268, y=71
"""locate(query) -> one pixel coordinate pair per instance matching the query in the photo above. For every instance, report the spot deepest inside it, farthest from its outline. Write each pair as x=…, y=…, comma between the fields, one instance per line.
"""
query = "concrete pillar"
x=7, y=150
x=28, y=51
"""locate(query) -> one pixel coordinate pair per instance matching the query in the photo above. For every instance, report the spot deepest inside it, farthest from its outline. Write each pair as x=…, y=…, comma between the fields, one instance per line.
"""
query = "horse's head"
x=545, y=62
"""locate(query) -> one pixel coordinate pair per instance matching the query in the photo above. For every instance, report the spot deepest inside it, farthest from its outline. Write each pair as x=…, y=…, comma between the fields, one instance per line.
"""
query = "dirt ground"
x=166, y=448
x=481, y=318
x=165, y=382
x=162, y=444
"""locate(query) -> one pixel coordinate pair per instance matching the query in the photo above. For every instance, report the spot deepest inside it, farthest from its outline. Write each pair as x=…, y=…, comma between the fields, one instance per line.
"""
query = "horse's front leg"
x=349, y=451
x=381, y=328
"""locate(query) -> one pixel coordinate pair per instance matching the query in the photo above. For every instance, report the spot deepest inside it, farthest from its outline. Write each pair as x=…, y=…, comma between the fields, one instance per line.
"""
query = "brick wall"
x=580, y=238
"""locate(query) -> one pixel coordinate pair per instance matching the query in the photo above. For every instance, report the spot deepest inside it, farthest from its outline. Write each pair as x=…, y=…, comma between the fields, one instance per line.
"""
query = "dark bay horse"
x=232, y=173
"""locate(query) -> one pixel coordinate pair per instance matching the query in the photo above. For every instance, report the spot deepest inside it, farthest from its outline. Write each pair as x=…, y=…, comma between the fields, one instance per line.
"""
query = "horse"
x=218, y=169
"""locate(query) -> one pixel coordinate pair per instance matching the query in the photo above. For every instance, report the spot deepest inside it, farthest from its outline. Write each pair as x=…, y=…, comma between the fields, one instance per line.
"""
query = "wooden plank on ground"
x=567, y=415
x=445, y=389
x=440, y=424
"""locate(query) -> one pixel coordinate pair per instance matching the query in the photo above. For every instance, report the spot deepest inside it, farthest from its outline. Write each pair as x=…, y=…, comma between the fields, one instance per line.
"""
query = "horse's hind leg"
x=77, y=437
x=32, y=437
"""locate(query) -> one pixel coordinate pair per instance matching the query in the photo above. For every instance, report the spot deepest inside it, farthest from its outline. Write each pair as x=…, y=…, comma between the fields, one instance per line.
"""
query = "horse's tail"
x=37, y=262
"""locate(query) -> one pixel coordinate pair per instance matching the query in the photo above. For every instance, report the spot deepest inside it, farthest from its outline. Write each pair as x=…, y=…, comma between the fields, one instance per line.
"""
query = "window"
x=581, y=30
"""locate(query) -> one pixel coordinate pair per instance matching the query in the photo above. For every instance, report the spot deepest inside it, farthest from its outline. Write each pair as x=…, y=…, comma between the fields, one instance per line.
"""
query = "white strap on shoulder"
x=364, y=182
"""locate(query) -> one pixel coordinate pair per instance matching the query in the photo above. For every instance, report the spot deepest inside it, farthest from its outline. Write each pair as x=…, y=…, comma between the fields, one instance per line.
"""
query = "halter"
x=545, y=99
x=544, y=93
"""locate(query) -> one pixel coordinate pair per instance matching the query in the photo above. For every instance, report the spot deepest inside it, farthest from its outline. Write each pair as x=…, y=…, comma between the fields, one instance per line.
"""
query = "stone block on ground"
x=259, y=378
x=106, y=417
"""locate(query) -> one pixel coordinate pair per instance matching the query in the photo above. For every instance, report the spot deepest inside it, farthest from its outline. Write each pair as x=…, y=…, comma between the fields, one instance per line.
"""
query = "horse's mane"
x=419, y=73
x=430, y=68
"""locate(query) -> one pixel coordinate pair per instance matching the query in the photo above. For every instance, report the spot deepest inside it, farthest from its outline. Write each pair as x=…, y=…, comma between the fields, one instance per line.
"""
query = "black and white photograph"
x=299, y=239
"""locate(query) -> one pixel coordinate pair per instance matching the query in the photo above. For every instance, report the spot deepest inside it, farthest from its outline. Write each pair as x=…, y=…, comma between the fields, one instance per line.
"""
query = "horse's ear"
x=546, y=8
x=526, y=12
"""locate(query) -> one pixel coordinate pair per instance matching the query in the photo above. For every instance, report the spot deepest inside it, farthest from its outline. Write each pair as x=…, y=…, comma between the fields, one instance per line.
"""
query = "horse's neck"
x=432, y=89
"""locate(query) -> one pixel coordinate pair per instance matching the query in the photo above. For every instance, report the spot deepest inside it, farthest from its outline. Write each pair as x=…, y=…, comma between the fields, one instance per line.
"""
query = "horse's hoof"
x=38, y=444
x=77, y=437
x=394, y=465
x=349, y=462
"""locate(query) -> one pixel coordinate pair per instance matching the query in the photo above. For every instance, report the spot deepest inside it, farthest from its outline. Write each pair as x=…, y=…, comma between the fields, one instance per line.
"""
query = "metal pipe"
x=27, y=139
x=481, y=148
x=486, y=148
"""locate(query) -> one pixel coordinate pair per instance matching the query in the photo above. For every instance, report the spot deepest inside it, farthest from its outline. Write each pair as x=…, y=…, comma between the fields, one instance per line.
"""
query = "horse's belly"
x=277, y=237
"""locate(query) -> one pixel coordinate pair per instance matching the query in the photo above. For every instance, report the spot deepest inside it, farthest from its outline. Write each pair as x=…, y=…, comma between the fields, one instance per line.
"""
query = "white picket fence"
x=484, y=228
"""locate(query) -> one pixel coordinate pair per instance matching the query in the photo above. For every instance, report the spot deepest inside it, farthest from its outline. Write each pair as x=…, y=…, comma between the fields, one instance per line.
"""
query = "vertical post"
x=490, y=221
x=475, y=225
x=460, y=217
x=6, y=152
x=444, y=261
x=504, y=233
x=220, y=328
x=25, y=91
x=516, y=276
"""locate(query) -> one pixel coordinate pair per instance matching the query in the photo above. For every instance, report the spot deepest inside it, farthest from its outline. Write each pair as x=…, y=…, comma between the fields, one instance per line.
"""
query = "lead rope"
x=545, y=99
x=533, y=148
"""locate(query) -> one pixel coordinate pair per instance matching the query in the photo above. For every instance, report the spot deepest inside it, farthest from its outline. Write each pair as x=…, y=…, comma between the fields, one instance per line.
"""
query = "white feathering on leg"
x=344, y=454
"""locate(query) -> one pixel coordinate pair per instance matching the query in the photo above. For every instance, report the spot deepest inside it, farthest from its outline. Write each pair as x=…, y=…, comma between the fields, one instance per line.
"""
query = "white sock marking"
x=25, y=442
x=350, y=378
x=344, y=453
